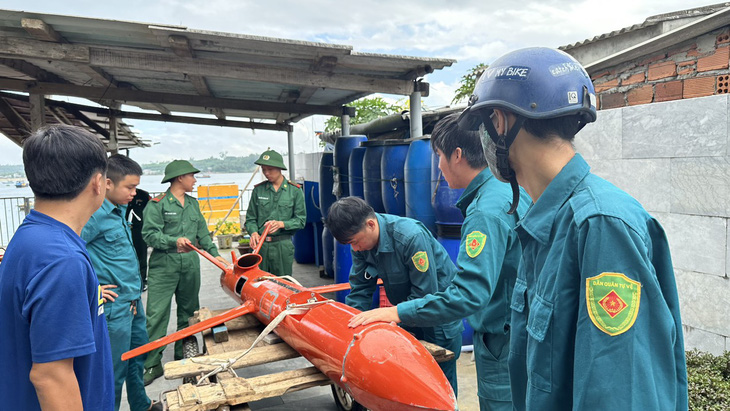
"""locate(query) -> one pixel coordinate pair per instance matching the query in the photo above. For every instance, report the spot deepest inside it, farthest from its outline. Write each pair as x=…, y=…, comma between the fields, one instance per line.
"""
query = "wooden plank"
x=241, y=390
x=260, y=355
x=40, y=30
x=187, y=395
x=125, y=95
x=21, y=47
x=148, y=61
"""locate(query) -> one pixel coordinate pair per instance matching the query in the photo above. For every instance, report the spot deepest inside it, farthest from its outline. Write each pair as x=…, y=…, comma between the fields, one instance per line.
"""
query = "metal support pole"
x=37, y=110
x=345, y=121
x=290, y=140
x=416, y=120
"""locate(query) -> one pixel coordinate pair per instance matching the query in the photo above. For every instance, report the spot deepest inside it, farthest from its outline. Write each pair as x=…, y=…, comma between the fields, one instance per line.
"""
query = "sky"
x=470, y=31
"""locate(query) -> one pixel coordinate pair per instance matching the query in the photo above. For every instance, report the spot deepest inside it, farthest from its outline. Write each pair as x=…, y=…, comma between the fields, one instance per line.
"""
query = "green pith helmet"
x=271, y=158
x=178, y=168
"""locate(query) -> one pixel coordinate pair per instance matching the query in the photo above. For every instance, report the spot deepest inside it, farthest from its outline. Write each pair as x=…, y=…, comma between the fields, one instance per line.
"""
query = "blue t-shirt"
x=50, y=310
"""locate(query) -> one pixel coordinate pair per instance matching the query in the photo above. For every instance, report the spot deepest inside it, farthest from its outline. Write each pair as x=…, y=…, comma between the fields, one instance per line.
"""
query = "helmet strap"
x=503, y=143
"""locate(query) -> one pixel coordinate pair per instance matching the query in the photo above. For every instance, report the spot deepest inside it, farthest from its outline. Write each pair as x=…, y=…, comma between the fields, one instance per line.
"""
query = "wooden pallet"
x=240, y=333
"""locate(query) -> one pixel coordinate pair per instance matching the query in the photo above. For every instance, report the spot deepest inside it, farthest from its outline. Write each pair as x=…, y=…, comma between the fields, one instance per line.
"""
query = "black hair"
x=347, y=217
x=60, y=161
x=565, y=127
x=447, y=136
x=120, y=166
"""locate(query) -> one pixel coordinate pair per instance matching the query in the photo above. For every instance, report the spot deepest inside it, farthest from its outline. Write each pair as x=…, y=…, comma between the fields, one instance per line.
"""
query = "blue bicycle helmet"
x=533, y=83
x=537, y=83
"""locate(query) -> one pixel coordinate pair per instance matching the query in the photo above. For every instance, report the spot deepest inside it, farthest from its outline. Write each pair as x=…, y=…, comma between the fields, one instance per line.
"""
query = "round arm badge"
x=420, y=261
x=613, y=302
x=475, y=243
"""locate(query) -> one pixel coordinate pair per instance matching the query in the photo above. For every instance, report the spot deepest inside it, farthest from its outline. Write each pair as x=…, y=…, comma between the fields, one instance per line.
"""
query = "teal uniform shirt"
x=486, y=273
x=595, y=320
x=489, y=254
x=411, y=264
x=109, y=242
x=407, y=274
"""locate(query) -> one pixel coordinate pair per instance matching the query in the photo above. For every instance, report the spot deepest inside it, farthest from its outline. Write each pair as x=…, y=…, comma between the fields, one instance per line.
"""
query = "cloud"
x=471, y=31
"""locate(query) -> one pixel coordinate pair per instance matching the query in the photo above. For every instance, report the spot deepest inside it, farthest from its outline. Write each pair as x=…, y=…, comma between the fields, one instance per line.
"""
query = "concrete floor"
x=314, y=399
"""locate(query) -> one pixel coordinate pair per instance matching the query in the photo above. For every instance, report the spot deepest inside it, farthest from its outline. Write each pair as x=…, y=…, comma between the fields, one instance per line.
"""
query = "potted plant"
x=226, y=230
x=244, y=245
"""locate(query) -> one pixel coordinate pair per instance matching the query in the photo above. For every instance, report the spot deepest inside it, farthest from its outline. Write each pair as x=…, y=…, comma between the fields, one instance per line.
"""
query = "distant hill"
x=225, y=164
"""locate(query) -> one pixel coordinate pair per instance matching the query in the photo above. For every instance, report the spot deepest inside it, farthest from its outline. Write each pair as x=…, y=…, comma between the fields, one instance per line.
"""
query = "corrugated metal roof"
x=652, y=21
x=174, y=68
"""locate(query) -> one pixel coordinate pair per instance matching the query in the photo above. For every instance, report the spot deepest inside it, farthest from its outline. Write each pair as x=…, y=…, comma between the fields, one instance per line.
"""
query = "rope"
x=291, y=309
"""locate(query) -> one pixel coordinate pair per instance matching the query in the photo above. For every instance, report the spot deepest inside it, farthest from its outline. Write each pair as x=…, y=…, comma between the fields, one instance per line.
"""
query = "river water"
x=12, y=198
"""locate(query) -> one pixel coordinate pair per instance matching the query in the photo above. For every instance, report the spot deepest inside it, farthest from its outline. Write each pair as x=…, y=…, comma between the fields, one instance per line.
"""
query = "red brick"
x=693, y=53
x=613, y=100
x=606, y=85
x=723, y=84
x=698, y=87
x=671, y=90
x=662, y=70
x=640, y=95
x=652, y=59
x=686, y=67
x=723, y=37
x=634, y=79
x=599, y=75
x=718, y=60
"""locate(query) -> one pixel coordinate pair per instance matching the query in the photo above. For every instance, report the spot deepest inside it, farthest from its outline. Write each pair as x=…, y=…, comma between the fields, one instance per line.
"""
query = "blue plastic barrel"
x=343, y=149
x=303, y=245
x=343, y=263
x=444, y=200
x=417, y=178
x=311, y=201
x=371, y=175
x=326, y=198
x=452, y=248
x=328, y=249
x=355, y=172
x=391, y=173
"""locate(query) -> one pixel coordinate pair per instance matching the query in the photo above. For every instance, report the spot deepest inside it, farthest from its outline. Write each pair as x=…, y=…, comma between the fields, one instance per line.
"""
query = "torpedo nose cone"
x=386, y=368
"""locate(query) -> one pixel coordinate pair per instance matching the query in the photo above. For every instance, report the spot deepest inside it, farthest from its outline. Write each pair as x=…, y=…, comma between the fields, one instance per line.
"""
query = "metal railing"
x=14, y=209
x=12, y=212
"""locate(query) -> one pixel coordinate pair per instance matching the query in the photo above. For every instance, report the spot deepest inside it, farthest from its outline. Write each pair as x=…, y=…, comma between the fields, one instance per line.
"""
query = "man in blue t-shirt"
x=109, y=242
x=54, y=347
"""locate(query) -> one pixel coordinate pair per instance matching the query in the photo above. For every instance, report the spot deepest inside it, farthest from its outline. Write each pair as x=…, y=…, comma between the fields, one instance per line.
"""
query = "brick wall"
x=674, y=158
x=696, y=68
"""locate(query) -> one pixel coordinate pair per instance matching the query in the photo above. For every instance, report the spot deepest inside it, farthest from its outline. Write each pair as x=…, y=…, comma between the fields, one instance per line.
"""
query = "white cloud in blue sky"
x=470, y=31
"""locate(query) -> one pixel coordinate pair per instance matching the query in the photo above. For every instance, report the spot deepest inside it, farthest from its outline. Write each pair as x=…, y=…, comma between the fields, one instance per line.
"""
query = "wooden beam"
x=136, y=60
x=41, y=31
x=14, y=118
x=164, y=62
x=125, y=95
x=37, y=110
x=101, y=111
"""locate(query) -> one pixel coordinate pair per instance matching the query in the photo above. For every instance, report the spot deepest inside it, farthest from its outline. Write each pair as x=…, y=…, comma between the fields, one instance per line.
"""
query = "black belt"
x=274, y=239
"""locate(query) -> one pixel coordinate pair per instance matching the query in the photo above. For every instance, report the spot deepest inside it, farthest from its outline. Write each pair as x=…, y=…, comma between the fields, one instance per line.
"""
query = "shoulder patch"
x=263, y=182
x=159, y=197
x=420, y=261
x=613, y=302
x=474, y=243
x=295, y=184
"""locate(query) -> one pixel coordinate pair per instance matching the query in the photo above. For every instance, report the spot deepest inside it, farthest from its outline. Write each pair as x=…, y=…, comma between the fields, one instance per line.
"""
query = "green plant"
x=708, y=379
x=226, y=227
x=244, y=241
x=467, y=83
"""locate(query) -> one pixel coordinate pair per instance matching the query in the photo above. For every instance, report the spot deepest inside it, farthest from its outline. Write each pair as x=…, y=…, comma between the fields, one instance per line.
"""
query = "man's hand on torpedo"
x=387, y=314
